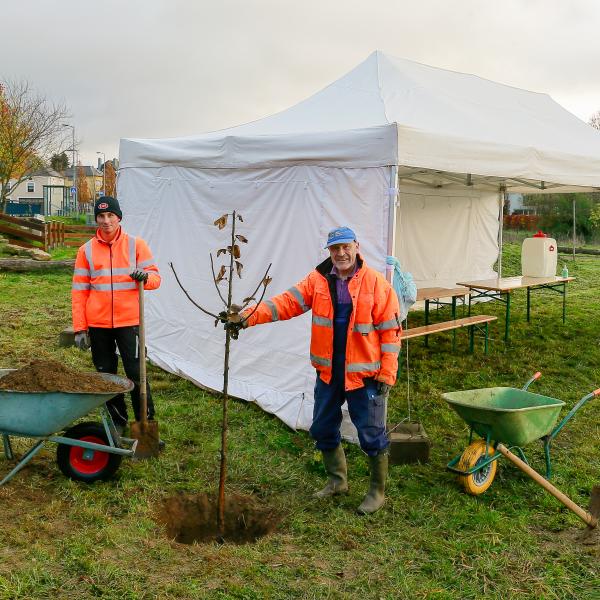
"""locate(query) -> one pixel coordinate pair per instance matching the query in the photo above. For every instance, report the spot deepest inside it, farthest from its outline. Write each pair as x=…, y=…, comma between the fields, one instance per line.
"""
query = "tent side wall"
x=287, y=213
x=447, y=235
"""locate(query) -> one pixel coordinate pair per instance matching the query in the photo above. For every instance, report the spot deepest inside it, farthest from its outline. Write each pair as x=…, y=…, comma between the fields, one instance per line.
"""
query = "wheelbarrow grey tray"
x=41, y=414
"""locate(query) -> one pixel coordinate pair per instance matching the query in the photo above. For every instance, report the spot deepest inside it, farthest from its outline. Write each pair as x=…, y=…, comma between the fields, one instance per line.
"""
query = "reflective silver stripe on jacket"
x=395, y=348
x=107, y=287
x=391, y=324
x=274, y=313
x=324, y=362
x=145, y=263
x=132, y=259
x=88, y=255
x=322, y=321
x=107, y=272
x=299, y=297
x=360, y=367
x=81, y=286
x=363, y=327
x=81, y=272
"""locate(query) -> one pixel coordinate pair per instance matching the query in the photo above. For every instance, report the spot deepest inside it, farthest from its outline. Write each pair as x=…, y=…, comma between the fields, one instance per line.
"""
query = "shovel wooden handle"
x=142, y=354
x=585, y=516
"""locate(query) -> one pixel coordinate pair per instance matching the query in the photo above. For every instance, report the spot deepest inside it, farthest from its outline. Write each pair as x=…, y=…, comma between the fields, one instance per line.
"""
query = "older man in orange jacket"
x=105, y=301
x=354, y=348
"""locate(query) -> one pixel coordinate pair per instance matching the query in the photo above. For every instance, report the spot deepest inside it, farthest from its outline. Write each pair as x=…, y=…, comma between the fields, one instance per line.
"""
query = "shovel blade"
x=148, y=438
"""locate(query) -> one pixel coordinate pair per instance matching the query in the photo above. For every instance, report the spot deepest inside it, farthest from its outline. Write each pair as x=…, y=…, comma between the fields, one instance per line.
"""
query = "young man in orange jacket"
x=354, y=348
x=105, y=301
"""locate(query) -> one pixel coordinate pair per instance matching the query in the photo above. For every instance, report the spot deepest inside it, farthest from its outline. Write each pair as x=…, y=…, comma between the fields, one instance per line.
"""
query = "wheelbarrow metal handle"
x=534, y=378
x=570, y=414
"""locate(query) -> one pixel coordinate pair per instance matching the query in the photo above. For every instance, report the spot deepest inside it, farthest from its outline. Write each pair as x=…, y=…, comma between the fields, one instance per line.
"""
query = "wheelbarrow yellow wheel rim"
x=479, y=481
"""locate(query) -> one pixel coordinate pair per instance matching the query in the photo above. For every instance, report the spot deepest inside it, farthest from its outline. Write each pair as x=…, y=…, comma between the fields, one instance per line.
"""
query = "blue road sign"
x=73, y=191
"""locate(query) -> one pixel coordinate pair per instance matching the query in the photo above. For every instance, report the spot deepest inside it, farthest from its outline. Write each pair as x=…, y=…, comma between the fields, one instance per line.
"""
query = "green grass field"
x=60, y=539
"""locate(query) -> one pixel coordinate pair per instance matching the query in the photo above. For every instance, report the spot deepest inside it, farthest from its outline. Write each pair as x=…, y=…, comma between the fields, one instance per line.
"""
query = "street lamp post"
x=103, y=172
x=73, y=161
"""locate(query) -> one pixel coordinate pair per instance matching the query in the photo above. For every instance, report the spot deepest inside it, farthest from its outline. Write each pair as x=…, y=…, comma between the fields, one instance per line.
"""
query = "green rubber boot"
x=337, y=471
x=373, y=501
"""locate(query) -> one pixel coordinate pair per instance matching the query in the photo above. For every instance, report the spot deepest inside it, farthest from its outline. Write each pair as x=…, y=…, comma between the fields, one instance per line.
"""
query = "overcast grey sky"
x=164, y=68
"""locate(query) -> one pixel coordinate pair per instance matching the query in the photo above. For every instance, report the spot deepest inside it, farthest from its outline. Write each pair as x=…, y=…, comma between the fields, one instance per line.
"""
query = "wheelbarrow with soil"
x=506, y=419
x=88, y=451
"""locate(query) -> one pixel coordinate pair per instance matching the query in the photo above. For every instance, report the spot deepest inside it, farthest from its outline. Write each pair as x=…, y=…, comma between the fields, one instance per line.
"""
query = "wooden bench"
x=470, y=322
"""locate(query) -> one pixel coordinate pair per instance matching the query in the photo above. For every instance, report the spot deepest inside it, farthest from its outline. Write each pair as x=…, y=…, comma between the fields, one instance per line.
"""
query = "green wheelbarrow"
x=87, y=452
x=506, y=419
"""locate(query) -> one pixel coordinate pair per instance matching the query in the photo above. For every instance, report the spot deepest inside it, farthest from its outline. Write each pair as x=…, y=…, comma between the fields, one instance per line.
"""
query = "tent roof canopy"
x=391, y=111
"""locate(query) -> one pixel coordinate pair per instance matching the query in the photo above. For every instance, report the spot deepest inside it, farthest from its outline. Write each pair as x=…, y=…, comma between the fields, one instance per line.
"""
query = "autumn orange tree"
x=84, y=196
x=110, y=178
x=30, y=131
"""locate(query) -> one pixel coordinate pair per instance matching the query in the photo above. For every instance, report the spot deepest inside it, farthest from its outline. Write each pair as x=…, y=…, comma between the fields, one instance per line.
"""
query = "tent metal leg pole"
x=501, y=201
x=393, y=202
x=574, y=230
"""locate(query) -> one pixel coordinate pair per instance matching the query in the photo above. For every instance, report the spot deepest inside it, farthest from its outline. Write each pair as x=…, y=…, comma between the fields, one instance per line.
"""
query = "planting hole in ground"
x=193, y=518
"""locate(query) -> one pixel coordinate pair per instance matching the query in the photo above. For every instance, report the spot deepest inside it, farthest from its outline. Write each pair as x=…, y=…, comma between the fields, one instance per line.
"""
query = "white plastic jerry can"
x=539, y=256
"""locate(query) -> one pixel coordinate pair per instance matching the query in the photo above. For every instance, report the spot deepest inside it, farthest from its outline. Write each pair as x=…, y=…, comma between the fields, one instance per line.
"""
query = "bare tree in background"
x=595, y=120
x=30, y=131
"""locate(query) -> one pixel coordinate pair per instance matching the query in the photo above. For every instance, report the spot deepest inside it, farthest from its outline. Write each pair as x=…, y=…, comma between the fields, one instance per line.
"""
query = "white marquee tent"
x=416, y=159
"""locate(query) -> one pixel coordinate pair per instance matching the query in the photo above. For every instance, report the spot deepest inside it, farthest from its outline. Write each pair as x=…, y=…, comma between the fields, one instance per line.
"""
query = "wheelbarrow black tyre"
x=72, y=463
x=479, y=481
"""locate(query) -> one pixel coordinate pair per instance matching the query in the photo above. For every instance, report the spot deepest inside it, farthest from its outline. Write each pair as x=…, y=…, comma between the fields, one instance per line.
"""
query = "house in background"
x=93, y=178
x=42, y=193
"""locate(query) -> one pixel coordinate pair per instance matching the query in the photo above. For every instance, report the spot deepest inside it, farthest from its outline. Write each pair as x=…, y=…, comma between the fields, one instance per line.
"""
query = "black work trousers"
x=105, y=342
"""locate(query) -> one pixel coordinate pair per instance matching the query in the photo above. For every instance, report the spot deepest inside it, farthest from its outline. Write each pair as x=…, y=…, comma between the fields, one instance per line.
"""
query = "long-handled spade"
x=144, y=431
x=590, y=517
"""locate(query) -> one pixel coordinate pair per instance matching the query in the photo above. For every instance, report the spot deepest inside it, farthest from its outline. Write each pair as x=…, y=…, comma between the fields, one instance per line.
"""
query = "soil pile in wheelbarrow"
x=52, y=376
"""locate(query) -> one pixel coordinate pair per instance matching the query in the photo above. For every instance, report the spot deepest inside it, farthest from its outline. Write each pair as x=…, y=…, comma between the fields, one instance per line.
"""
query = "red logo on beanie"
x=103, y=205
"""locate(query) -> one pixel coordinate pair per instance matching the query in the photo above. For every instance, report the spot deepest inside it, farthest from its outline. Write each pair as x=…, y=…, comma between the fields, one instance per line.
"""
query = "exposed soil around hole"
x=193, y=518
x=52, y=376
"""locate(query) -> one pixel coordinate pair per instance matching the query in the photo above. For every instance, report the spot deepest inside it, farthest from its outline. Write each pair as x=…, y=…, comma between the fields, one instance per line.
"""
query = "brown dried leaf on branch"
x=221, y=221
x=248, y=299
x=236, y=251
x=221, y=274
x=221, y=251
x=240, y=218
x=266, y=281
x=242, y=239
x=238, y=267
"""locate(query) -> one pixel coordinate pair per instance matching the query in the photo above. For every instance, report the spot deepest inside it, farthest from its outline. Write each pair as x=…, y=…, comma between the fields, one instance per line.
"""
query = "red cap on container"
x=540, y=233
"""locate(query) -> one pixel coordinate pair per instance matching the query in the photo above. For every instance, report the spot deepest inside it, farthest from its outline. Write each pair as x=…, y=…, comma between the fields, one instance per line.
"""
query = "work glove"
x=139, y=276
x=234, y=328
x=383, y=389
x=82, y=340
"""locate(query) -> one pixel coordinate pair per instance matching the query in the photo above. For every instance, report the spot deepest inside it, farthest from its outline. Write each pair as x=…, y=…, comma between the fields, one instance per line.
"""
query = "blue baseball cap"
x=340, y=235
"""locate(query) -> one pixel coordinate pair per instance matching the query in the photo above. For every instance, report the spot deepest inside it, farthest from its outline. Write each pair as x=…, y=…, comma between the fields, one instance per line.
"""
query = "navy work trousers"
x=105, y=342
x=366, y=408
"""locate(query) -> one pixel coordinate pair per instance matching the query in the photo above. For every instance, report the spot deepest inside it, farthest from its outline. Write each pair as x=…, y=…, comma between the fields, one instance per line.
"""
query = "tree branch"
x=189, y=297
x=262, y=295
x=212, y=266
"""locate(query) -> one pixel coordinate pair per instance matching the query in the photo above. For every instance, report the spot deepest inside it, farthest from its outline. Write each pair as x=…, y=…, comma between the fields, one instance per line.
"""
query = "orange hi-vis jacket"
x=374, y=329
x=103, y=294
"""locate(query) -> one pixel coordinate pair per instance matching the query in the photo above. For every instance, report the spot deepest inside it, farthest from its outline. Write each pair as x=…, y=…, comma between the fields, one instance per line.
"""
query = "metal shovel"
x=144, y=431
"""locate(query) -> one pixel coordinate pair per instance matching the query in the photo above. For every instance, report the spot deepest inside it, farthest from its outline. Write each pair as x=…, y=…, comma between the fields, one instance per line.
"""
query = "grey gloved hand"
x=82, y=340
x=383, y=389
x=139, y=276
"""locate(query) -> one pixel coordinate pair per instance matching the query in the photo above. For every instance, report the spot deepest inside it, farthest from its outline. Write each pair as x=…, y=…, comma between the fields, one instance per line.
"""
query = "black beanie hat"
x=107, y=204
